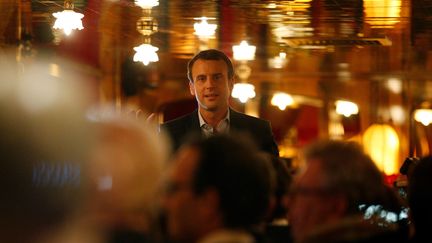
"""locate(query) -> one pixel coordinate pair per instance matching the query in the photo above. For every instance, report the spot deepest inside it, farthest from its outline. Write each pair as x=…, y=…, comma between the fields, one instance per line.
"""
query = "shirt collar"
x=222, y=126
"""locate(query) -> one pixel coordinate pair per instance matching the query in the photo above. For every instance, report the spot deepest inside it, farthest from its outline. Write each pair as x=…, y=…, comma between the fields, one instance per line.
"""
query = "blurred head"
x=125, y=167
x=215, y=183
x=44, y=145
x=211, y=79
x=338, y=177
x=283, y=181
x=420, y=197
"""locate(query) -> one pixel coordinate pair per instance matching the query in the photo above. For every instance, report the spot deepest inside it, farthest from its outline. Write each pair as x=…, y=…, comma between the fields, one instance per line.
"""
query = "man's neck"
x=213, y=117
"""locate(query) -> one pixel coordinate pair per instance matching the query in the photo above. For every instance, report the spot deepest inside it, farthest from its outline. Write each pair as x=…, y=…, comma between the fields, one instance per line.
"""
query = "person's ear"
x=191, y=88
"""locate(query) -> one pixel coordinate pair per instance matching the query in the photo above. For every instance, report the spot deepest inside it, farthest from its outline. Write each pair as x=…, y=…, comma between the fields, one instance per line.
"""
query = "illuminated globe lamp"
x=243, y=53
x=381, y=142
x=68, y=19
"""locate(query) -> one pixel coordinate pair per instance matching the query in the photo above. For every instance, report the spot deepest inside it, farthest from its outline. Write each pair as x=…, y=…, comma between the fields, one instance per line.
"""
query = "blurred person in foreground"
x=420, y=199
x=211, y=80
x=44, y=145
x=125, y=170
x=218, y=189
x=340, y=196
x=276, y=228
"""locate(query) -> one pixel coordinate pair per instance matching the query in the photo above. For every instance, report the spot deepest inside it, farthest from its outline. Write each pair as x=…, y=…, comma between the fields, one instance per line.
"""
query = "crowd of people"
x=71, y=176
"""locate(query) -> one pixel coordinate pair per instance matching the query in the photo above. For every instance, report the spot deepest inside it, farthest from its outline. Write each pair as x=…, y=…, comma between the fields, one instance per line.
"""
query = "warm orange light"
x=382, y=13
x=381, y=142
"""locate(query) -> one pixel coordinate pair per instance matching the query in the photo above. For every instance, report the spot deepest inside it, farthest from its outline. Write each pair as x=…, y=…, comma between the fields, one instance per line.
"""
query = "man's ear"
x=191, y=88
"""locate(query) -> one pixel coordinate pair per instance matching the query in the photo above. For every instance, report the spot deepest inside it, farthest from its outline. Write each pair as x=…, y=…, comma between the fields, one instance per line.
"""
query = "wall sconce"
x=282, y=100
x=243, y=53
x=346, y=108
x=68, y=19
x=203, y=29
x=424, y=116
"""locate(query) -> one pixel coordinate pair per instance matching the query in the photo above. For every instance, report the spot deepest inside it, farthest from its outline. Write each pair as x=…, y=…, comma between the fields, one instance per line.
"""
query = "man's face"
x=211, y=85
x=310, y=204
x=180, y=202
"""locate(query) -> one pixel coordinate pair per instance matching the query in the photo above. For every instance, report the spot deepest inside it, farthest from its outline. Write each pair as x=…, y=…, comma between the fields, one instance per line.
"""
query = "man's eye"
x=200, y=78
x=217, y=77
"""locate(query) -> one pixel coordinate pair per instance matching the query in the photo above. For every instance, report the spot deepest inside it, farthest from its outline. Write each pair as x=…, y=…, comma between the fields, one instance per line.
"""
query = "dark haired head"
x=420, y=196
x=211, y=54
x=239, y=173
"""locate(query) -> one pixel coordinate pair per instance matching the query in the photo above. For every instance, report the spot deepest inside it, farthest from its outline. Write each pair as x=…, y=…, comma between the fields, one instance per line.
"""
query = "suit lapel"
x=236, y=121
x=193, y=123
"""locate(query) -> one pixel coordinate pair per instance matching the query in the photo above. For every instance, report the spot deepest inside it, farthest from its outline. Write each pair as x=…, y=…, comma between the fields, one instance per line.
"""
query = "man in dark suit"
x=211, y=79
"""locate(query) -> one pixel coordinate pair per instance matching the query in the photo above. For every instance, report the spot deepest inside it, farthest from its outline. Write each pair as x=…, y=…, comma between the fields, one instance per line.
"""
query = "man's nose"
x=210, y=82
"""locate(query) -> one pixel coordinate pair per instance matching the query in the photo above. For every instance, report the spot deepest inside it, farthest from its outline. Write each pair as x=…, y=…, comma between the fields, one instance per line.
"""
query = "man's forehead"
x=203, y=64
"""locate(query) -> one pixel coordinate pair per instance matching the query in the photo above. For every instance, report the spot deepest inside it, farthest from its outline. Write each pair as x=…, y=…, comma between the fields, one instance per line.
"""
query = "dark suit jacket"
x=259, y=130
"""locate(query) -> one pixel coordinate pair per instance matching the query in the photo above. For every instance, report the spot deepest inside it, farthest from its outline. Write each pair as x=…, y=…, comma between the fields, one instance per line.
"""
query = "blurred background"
x=342, y=69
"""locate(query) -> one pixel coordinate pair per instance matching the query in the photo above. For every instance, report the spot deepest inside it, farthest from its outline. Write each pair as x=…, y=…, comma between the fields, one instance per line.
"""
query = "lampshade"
x=381, y=142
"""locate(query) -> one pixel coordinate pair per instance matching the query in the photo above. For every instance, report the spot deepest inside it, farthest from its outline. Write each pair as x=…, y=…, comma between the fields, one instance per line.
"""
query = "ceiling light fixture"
x=147, y=4
x=243, y=92
x=203, y=29
x=146, y=26
x=68, y=19
x=243, y=53
x=346, y=108
x=282, y=100
x=424, y=116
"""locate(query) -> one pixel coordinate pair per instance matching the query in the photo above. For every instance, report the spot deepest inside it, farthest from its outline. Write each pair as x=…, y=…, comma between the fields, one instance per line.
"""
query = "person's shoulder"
x=249, y=118
x=179, y=121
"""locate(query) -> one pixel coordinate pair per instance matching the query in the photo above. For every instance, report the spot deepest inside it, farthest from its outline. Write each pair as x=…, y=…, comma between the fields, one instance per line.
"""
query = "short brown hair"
x=211, y=54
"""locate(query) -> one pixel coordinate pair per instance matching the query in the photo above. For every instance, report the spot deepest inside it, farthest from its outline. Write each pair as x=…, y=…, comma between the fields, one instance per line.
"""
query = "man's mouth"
x=211, y=96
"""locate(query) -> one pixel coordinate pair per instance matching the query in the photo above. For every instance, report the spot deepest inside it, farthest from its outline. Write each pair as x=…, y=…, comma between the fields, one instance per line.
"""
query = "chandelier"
x=146, y=26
